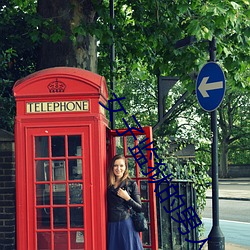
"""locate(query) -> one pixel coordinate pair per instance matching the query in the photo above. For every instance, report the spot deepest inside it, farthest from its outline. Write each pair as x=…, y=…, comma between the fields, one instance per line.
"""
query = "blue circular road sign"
x=210, y=86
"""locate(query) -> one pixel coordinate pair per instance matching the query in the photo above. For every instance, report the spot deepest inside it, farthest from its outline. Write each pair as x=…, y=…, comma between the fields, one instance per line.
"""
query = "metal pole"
x=217, y=239
x=112, y=59
x=160, y=109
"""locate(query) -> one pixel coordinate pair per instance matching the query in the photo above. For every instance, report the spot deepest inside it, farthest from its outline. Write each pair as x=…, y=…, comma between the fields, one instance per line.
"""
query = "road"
x=231, y=210
x=234, y=213
x=234, y=232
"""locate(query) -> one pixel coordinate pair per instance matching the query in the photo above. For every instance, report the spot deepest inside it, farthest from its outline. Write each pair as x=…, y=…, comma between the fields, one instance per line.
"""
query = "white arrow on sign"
x=204, y=86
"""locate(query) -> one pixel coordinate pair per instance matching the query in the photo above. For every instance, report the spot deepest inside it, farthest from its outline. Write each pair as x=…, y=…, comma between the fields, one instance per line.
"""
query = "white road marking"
x=239, y=222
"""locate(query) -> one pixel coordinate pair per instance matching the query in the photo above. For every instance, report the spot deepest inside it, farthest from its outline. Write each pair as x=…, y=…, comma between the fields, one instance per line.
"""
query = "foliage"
x=6, y=98
x=7, y=107
x=234, y=117
x=148, y=31
x=181, y=168
x=145, y=36
x=16, y=26
x=17, y=54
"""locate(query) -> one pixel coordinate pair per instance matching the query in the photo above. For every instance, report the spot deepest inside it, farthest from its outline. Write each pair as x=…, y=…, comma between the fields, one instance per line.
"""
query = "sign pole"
x=217, y=239
x=112, y=59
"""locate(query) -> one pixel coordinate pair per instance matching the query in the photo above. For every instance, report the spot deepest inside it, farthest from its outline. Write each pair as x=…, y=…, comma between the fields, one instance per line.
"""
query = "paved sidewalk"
x=232, y=194
x=229, y=246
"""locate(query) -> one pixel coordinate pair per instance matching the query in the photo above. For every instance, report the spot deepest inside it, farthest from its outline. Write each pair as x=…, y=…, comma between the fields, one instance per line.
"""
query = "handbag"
x=139, y=221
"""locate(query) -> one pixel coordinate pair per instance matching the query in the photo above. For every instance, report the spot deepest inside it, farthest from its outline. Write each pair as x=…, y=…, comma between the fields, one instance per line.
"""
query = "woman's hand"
x=123, y=194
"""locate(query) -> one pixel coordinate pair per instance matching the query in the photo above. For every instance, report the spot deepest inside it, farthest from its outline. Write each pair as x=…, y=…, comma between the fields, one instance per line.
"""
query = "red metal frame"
x=138, y=178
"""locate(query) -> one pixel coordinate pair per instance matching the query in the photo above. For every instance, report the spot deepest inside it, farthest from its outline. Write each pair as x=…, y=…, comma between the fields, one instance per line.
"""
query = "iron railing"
x=169, y=236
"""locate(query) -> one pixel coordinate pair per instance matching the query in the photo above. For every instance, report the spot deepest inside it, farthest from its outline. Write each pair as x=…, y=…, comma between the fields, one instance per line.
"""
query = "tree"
x=234, y=119
x=157, y=25
x=69, y=39
x=156, y=28
x=17, y=54
x=70, y=33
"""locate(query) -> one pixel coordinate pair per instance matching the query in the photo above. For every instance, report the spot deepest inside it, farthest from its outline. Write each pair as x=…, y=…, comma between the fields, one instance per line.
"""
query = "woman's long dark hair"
x=111, y=175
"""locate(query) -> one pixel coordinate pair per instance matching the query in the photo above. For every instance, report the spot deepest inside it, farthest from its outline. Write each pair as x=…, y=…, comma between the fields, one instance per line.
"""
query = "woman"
x=122, y=195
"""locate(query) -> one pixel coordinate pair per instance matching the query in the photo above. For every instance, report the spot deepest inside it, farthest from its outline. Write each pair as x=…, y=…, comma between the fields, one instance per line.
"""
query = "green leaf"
x=235, y=5
x=194, y=28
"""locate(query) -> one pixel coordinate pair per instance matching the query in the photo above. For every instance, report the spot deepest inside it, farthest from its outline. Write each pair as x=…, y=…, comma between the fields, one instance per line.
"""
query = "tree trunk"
x=223, y=166
x=75, y=49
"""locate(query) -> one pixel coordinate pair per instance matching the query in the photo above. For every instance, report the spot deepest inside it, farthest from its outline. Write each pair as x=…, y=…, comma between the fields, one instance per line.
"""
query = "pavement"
x=235, y=247
x=232, y=195
x=229, y=246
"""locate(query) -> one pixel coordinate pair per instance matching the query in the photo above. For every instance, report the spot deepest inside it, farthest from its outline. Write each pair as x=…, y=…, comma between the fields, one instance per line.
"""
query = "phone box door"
x=59, y=205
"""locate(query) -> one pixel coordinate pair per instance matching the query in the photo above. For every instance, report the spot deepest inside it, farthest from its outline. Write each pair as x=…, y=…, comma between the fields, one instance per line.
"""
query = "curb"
x=235, y=180
x=230, y=198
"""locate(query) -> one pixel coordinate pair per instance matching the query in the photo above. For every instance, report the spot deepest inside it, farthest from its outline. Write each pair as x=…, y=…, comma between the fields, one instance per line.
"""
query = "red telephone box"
x=62, y=147
x=60, y=135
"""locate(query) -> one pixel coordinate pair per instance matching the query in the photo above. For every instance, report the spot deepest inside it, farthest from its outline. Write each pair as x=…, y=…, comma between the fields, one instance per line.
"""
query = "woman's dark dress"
x=121, y=231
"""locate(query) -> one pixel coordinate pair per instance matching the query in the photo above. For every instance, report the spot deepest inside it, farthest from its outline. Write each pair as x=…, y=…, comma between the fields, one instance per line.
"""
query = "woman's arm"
x=133, y=200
